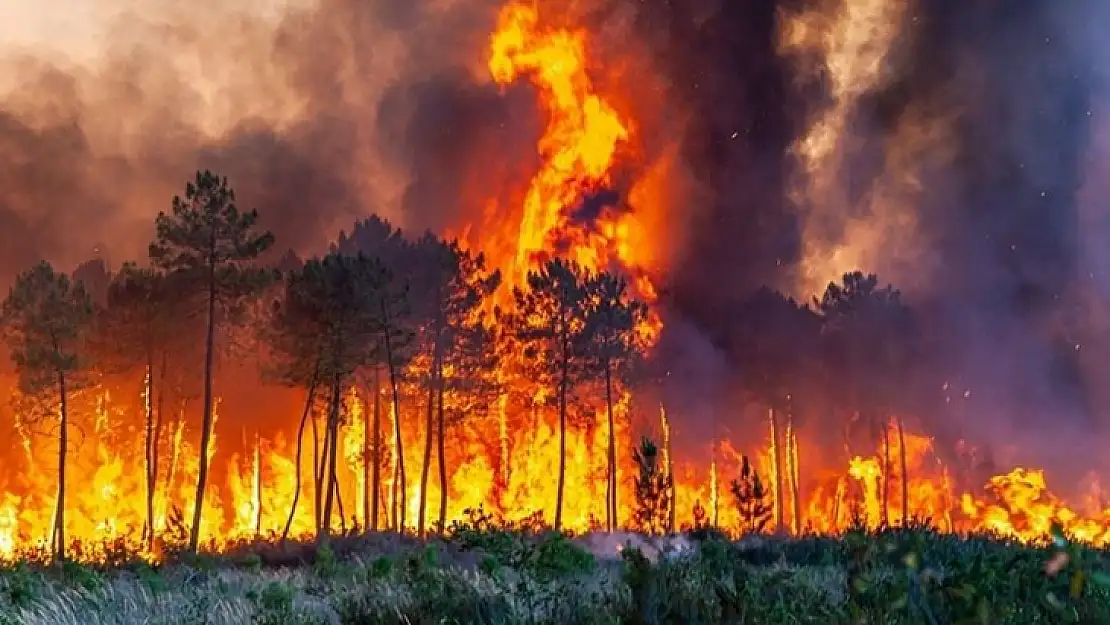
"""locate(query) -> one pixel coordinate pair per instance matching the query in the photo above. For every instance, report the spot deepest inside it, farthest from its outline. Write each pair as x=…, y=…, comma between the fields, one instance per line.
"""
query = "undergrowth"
x=480, y=574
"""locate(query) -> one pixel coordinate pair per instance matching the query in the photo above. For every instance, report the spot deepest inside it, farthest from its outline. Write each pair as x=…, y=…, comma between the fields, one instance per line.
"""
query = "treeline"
x=382, y=310
x=377, y=306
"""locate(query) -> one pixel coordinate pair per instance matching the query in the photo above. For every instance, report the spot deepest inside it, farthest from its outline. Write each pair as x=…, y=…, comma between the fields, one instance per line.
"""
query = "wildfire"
x=505, y=461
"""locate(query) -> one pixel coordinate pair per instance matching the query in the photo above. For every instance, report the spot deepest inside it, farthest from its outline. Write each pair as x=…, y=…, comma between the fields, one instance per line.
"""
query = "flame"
x=505, y=460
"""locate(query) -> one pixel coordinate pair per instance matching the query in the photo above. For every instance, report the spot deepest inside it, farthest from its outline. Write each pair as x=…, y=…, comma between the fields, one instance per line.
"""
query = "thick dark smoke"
x=349, y=107
x=998, y=227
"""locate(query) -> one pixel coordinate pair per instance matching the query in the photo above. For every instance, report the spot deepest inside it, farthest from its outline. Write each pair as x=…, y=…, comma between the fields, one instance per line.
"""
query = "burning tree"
x=778, y=335
x=653, y=490
x=751, y=499
x=208, y=245
x=378, y=239
x=869, y=334
x=139, y=328
x=449, y=289
x=549, y=323
x=46, y=320
x=610, y=334
x=327, y=326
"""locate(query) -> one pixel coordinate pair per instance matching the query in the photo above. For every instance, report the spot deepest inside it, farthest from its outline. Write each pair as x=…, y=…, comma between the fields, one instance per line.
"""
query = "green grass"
x=498, y=577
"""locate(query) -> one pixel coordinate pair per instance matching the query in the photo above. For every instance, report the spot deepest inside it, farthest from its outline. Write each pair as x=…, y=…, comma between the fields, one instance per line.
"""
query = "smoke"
x=297, y=105
x=956, y=175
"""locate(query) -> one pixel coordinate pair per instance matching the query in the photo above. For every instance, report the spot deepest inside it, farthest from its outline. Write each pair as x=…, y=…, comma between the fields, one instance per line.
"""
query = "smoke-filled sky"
x=968, y=171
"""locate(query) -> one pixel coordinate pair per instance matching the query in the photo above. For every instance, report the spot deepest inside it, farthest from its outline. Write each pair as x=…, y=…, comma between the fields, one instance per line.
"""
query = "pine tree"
x=653, y=490
x=46, y=321
x=549, y=322
x=610, y=336
x=449, y=288
x=325, y=328
x=870, y=338
x=138, y=329
x=751, y=499
x=208, y=246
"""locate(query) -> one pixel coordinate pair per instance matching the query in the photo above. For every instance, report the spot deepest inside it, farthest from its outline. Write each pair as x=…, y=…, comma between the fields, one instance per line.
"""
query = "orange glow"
x=506, y=459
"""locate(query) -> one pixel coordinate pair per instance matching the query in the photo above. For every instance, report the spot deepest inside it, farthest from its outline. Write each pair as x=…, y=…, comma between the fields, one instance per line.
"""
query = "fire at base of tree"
x=427, y=386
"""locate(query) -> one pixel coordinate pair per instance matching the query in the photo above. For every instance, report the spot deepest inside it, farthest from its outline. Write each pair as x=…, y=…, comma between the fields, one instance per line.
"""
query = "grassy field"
x=509, y=578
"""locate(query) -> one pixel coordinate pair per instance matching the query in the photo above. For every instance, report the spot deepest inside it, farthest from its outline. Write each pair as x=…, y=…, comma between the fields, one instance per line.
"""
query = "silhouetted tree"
x=138, y=329
x=751, y=499
x=378, y=239
x=778, y=338
x=869, y=333
x=208, y=246
x=450, y=287
x=46, y=320
x=610, y=345
x=325, y=328
x=653, y=490
x=549, y=322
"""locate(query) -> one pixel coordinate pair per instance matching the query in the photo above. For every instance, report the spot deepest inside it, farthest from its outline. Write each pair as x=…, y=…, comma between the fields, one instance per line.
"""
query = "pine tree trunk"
x=792, y=457
x=63, y=444
x=322, y=470
x=563, y=383
x=206, y=425
x=317, y=473
x=156, y=446
x=905, y=472
x=331, y=447
x=376, y=473
x=776, y=470
x=149, y=443
x=611, y=491
x=366, y=459
x=885, y=485
x=442, y=454
x=300, y=454
x=399, y=443
x=429, y=432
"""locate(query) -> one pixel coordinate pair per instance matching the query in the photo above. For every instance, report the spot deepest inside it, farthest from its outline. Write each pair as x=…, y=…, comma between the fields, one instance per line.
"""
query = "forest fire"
x=497, y=448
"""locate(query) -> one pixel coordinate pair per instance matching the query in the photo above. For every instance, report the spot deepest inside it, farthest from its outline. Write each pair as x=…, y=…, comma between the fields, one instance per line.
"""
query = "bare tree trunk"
x=300, y=454
x=885, y=485
x=366, y=459
x=63, y=443
x=322, y=485
x=611, y=490
x=399, y=439
x=564, y=375
x=441, y=452
x=149, y=445
x=905, y=472
x=776, y=468
x=792, y=457
x=331, y=448
x=339, y=502
x=428, y=434
x=156, y=445
x=668, y=458
x=206, y=425
x=317, y=471
x=376, y=474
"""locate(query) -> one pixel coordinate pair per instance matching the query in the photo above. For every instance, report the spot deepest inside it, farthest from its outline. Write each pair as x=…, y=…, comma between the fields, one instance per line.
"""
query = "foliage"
x=751, y=499
x=904, y=577
x=46, y=318
x=653, y=490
